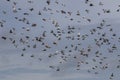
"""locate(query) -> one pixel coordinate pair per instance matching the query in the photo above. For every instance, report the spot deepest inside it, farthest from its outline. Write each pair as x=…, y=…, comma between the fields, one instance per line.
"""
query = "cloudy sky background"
x=15, y=67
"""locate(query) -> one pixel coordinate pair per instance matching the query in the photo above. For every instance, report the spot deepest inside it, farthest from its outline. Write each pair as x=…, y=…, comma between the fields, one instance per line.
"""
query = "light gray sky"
x=15, y=67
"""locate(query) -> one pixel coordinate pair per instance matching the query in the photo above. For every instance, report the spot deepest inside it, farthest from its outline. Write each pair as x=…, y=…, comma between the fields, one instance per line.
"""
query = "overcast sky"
x=15, y=67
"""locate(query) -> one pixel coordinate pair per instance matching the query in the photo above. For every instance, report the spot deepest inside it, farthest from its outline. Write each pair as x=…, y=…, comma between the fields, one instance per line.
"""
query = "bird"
x=63, y=32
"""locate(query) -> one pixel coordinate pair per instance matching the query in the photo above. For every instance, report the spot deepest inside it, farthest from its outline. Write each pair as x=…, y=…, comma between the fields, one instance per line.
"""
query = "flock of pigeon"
x=67, y=42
